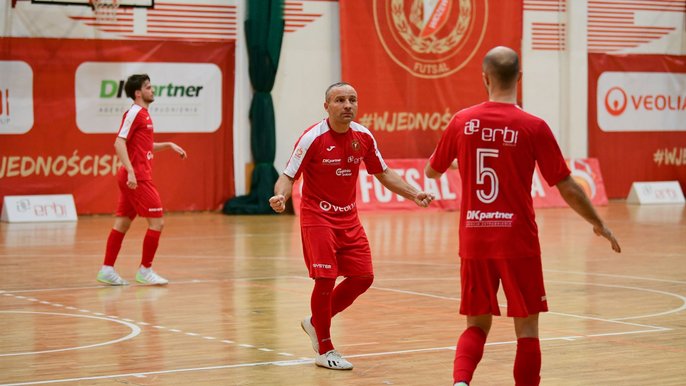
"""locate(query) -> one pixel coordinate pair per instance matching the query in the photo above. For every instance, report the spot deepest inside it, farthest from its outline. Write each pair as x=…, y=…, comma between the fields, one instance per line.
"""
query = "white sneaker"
x=333, y=360
x=461, y=384
x=307, y=326
x=148, y=276
x=110, y=276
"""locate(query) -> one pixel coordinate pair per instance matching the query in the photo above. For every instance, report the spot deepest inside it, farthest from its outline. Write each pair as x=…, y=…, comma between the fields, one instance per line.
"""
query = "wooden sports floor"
x=238, y=290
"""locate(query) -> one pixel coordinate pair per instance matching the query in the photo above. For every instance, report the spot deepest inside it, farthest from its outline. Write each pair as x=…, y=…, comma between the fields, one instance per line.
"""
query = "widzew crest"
x=431, y=38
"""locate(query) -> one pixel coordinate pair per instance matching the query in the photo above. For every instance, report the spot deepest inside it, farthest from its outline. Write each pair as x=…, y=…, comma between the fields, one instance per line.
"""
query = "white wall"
x=310, y=61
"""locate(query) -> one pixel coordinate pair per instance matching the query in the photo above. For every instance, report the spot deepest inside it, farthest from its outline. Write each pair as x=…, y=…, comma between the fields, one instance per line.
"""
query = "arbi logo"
x=615, y=101
x=431, y=38
x=115, y=89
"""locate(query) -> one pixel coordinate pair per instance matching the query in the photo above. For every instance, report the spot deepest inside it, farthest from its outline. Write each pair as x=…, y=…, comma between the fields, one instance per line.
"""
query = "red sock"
x=320, y=304
x=527, y=366
x=114, y=241
x=347, y=291
x=150, y=243
x=470, y=349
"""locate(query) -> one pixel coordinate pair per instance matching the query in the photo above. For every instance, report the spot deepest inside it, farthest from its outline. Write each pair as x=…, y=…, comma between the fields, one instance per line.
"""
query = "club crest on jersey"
x=149, y=155
x=356, y=145
x=431, y=38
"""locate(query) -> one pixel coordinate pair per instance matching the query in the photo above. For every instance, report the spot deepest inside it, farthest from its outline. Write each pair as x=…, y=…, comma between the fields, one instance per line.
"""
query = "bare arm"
x=121, y=150
x=575, y=197
x=430, y=172
x=157, y=146
x=392, y=180
x=282, y=192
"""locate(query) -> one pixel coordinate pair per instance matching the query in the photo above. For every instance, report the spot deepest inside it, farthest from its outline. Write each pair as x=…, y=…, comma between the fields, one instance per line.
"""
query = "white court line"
x=135, y=330
x=416, y=293
x=305, y=361
x=672, y=311
x=157, y=327
x=189, y=281
x=616, y=276
x=295, y=362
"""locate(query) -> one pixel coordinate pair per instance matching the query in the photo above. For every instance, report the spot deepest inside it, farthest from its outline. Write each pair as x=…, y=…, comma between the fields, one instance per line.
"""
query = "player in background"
x=137, y=194
x=328, y=156
x=497, y=146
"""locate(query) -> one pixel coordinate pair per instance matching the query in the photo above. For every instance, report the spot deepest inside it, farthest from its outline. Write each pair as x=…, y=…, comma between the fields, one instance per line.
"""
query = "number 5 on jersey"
x=484, y=173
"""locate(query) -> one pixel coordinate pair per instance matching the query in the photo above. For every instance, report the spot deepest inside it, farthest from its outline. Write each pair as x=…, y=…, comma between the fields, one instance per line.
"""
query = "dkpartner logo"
x=188, y=96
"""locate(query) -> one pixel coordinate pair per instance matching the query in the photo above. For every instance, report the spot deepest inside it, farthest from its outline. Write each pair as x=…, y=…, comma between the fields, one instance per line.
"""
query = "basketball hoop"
x=105, y=10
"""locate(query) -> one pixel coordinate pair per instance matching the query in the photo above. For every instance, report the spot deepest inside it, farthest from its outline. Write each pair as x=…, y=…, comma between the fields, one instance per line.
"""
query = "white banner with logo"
x=637, y=118
x=16, y=97
x=39, y=208
x=641, y=101
x=188, y=96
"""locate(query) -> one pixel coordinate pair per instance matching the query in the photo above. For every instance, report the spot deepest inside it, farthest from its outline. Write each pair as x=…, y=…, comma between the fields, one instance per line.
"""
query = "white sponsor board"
x=641, y=101
x=39, y=208
x=16, y=97
x=188, y=96
x=662, y=192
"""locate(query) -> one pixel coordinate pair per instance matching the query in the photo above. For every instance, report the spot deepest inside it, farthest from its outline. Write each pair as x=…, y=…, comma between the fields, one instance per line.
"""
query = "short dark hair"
x=333, y=86
x=135, y=83
x=503, y=65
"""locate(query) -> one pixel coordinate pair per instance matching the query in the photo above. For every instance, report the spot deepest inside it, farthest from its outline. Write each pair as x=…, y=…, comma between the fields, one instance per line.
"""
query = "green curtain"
x=264, y=34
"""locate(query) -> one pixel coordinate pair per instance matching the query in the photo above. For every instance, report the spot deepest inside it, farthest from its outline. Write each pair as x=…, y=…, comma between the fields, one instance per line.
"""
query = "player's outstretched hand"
x=607, y=233
x=179, y=150
x=423, y=199
x=278, y=203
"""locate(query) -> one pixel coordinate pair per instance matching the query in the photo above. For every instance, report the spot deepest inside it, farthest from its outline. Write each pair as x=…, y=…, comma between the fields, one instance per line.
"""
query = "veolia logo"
x=641, y=101
x=615, y=101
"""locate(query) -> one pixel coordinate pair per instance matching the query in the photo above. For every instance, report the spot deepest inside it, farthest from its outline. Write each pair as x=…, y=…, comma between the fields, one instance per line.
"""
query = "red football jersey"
x=497, y=146
x=136, y=127
x=330, y=163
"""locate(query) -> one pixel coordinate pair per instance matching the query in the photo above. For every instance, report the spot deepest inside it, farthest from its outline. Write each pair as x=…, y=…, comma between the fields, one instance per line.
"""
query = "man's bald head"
x=501, y=64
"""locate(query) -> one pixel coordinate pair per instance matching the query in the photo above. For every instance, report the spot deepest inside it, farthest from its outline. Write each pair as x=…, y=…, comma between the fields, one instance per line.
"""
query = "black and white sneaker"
x=333, y=360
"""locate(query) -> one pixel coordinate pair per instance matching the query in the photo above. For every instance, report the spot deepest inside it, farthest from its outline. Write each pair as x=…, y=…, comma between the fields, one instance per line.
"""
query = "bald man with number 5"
x=497, y=146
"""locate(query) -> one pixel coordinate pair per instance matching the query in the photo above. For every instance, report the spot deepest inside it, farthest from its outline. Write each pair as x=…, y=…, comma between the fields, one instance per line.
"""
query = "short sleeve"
x=446, y=150
x=549, y=157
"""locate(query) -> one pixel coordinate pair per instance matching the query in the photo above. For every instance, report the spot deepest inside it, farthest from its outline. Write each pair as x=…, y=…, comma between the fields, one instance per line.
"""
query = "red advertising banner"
x=585, y=171
x=372, y=196
x=415, y=63
x=637, y=118
x=63, y=103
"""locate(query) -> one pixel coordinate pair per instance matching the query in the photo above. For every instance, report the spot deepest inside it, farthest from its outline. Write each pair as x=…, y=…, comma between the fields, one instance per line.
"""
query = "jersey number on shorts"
x=485, y=174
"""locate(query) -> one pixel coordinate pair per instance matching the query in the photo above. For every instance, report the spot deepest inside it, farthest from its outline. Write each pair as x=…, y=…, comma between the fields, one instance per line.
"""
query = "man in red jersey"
x=137, y=194
x=497, y=146
x=328, y=155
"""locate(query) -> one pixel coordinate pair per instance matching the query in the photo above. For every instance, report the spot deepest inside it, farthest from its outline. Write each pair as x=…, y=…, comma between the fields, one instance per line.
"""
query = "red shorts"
x=143, y=201
x=522, y=283
x=330, y=252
